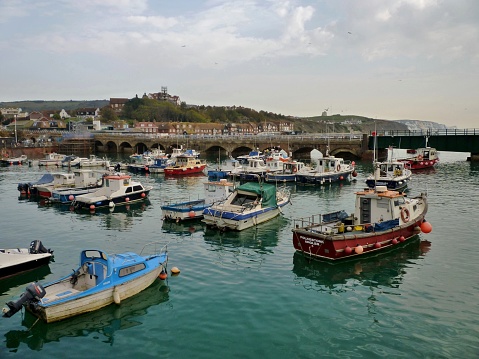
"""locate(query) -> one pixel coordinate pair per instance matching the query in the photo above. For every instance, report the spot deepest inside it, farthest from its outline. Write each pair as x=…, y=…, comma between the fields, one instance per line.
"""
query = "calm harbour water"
x=247, y=294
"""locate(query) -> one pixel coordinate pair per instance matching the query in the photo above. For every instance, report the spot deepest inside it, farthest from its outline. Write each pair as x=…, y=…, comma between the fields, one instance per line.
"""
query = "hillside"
x=346, y=124
x=40, y=105
x=334, y=123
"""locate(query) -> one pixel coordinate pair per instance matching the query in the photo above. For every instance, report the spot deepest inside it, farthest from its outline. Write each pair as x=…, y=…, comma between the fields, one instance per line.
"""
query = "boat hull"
x=91, y=302
x=419, y=165
x=280, y=177
x=181, y=171
x=323, y=178
x=12, y=161
x=185, y=210
x=335, y=247
x=221, y=219
x=109, y=202
x=14, y=264
x=392, y=185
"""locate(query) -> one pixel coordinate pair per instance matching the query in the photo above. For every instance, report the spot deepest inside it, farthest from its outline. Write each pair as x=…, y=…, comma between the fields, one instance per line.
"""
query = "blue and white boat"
x=215, y=191
x=249, y=205
x=393, y=174
x=100, y=280
x=160, y=163
x=288, y=173
x=328, y=170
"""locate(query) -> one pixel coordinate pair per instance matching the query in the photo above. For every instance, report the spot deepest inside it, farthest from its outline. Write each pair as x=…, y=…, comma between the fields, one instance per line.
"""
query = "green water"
x=247, y=294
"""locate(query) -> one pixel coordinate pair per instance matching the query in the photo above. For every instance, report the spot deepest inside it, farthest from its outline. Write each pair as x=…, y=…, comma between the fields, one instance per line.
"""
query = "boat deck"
x=59, y=291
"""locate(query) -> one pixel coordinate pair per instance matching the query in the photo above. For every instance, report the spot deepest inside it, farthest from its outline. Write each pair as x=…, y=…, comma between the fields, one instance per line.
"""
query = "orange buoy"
x=377, y=245
x=426, y=227
x=127, y=199
x=92, y=207
x=175, y=271
x=143, y=195
x=394, y=241
x=163, y=275
x=359, y=249
x=71, y=197
x=348, y=250
x=402, y=239
x=191, y=214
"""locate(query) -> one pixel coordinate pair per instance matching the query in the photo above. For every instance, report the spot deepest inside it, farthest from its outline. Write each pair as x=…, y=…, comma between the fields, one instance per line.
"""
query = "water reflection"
x=103, y=323
x=245, y=249
x=384, y=270
x=119, y=218
x=184, y=228
x=21, y=279
x=263, y=237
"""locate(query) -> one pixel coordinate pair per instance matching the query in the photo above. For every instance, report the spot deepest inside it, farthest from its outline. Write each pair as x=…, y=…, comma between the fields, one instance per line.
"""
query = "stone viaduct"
x=345, y=146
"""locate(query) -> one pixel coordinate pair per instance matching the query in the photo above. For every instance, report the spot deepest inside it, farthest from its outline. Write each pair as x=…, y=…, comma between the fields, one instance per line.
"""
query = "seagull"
x=349, y=32
x=183, y=46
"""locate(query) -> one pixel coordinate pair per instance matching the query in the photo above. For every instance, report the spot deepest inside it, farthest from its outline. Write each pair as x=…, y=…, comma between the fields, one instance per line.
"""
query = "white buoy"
x=116, y=296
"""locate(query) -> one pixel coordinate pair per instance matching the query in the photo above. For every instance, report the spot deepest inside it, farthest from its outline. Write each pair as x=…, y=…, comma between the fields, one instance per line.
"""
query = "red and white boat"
x=59, y=180
x=185, y=165
x=382, y=220
x=425, y=157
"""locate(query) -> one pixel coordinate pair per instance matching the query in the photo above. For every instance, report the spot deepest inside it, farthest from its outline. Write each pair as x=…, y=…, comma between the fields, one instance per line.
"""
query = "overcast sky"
x=396, y=59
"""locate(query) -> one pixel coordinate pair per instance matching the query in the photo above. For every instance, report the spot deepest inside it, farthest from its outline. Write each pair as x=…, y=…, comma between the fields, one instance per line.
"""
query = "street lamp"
x=15, y=129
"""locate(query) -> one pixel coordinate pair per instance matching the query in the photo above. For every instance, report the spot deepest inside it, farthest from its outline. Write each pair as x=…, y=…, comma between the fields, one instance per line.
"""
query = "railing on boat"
x=156, y=250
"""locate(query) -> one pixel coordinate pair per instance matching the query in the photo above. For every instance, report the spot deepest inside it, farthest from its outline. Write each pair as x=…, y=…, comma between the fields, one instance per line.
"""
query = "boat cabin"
x=61, y=179
x=216, y=191
x=187, y=161
x=329, y=164
x=391, y=169
x=87, y=178
x=378, y=206
x=292, y=167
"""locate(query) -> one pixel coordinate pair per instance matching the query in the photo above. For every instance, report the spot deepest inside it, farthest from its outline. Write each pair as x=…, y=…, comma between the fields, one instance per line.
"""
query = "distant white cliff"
x=416, y=125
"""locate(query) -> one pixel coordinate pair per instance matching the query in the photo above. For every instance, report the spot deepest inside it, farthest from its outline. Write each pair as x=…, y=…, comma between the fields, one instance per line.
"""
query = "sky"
x=384, y=59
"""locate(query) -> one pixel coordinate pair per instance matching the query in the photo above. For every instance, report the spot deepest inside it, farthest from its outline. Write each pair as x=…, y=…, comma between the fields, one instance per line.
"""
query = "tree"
x=108, y=114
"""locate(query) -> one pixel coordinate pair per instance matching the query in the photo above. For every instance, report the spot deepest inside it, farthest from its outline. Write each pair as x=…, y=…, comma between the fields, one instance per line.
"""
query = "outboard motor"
x=37, y=247
x=23, y=188
x=33, y=293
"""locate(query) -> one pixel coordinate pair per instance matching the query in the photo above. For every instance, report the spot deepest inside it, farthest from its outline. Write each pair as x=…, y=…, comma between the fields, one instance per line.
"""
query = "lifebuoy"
x=419, y=157
x=405, y=214
x=338, y=168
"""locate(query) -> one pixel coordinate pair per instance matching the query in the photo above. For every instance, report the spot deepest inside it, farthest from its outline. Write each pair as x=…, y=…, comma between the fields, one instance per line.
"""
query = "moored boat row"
x=382, y=218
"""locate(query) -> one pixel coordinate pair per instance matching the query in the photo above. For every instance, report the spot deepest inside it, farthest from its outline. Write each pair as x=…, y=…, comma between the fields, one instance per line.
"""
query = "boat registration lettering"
x=313, y=241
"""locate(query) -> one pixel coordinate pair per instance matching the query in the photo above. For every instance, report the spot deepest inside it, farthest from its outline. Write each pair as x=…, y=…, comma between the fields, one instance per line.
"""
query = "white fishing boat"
x=327, y=170
x=249, y=205
x=117, y=189
x=6, y=160
x=94, y=161
x=85, y=181
x=100, y=280
x=52, y=159
x=288, y=173
x=393, y=174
